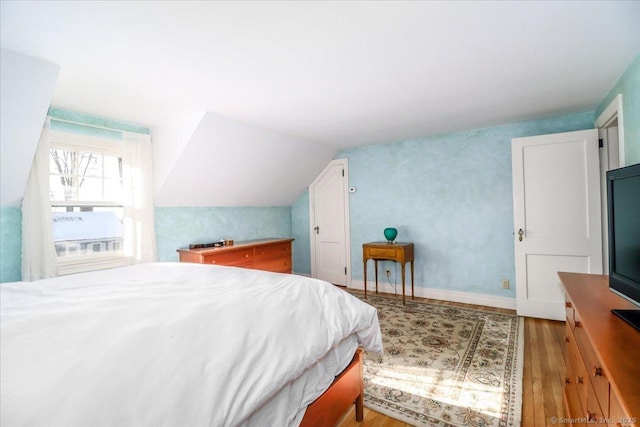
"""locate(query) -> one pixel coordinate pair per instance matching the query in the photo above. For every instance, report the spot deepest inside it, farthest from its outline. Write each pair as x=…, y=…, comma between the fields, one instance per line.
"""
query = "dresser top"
x=239, y=245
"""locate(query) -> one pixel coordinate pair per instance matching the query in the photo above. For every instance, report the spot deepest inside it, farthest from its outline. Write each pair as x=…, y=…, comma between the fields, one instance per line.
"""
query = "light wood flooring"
x=543, y=375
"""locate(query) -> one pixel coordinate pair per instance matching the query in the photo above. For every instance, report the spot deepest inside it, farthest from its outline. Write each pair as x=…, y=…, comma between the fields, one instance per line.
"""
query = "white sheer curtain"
x=139, y=219
x=38, y=251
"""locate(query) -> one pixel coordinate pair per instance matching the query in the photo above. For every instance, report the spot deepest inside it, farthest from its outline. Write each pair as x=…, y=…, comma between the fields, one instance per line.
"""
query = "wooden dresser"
x=265, y=254
x=602, y=384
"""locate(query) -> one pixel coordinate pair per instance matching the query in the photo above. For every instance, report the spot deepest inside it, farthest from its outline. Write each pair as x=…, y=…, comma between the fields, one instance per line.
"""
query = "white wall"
x=230, y=163
x=26, y=89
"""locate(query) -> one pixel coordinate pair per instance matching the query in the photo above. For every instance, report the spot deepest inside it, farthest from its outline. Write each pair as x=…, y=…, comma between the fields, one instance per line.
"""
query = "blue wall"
x=449, y=194
x=10, y=244
x=629, y=86
x=178, y=227
x=300, y=232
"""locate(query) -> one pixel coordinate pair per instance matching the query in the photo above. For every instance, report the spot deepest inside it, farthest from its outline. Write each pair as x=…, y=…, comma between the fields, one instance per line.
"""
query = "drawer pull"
x=597, y=371
x=580, y=380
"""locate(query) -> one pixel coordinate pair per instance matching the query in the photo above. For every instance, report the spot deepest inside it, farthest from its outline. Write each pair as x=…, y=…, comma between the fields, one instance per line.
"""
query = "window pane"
x=63, y=161
x=87, y=230
x=60, y=188
x=113, y=189
x=89, y=164
x=90, y=189
x=112, y=167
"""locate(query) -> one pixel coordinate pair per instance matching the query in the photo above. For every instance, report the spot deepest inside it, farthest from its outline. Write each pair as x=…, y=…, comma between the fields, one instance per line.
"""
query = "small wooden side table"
x=398, y=252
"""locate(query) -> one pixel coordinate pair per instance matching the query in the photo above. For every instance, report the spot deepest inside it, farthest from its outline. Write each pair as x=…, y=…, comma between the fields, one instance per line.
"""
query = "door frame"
x=344, y=162
x=613, y=111
x=606, y=118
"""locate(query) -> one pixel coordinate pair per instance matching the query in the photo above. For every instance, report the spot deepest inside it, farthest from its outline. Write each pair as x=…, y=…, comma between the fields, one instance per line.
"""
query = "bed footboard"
x=346, y=390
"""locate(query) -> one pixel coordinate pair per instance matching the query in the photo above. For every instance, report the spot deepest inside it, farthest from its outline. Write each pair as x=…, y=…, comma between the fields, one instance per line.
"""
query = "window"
x=86, y=191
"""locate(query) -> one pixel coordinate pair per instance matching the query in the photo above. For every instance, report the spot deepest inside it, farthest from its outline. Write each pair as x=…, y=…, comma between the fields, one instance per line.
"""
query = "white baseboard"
x=441, y=294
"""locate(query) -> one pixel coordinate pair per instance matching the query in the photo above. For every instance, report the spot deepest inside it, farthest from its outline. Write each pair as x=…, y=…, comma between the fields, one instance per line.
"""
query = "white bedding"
x=170, y=344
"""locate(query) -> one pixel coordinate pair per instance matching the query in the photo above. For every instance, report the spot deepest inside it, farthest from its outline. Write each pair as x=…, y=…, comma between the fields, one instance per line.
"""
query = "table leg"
x=365, y=278
x=412, y=281
x=403, y=274
x=375, y=263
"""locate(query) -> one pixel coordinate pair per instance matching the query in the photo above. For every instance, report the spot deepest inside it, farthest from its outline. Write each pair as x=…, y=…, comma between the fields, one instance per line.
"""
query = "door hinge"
x=345, y=270
x=600, y=142
x=342, y=172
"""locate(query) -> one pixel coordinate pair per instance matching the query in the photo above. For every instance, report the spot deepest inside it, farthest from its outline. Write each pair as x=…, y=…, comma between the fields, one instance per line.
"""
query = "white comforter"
x=174, y=344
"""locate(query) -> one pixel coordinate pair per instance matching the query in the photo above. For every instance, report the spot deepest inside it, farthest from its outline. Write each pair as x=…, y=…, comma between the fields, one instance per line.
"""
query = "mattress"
x=168, y=344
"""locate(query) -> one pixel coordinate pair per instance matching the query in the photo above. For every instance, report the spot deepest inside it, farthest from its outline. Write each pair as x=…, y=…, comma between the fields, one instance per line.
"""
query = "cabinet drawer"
x=576, y=366
x=617, y=416
x=571, y=320
x=593, y=412
x=236, y=258
x=273, y=251
x=277, y=265
x=594, y=368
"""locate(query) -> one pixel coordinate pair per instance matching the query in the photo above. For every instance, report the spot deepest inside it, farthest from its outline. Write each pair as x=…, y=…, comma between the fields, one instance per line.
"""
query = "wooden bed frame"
x=347, y=389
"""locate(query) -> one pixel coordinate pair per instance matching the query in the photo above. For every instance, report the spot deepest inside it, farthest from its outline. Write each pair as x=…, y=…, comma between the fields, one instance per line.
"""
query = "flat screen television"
x=623, y=208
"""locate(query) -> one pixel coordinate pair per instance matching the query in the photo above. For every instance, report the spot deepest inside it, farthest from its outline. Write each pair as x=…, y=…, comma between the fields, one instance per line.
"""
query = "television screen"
x=623, y=204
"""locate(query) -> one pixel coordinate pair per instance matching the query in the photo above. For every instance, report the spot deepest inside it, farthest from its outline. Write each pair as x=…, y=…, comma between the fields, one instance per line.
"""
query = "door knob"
x=520, y=234
x=317, y=228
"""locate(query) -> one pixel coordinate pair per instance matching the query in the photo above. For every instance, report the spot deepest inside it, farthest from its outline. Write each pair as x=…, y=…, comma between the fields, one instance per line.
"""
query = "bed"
x=176, y=344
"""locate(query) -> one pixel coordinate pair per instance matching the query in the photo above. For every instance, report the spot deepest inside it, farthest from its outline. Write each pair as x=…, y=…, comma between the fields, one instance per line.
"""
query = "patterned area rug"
x=446, y=366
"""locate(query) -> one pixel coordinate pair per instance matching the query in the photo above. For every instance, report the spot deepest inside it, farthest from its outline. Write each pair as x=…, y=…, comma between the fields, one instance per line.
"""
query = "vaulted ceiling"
x=325, y=75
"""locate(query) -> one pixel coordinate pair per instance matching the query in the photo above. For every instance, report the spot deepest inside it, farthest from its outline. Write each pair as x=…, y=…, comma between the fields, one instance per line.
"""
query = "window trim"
x=88, y=262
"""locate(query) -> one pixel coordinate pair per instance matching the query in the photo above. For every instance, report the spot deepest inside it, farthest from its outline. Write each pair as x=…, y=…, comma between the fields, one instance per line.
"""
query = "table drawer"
x=381, y=253
x=273, y=251
x=236, y=258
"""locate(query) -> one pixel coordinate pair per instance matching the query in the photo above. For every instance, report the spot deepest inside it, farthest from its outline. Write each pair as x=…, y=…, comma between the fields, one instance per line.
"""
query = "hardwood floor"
x=543, y=375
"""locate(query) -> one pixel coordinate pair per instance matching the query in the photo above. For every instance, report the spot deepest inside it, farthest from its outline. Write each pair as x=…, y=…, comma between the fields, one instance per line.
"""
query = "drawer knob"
x=213, y=262
x=568, y=304
x=578, y=324
x=566, y=339
x=567, y=380
x=597, y=371
x=580, y=380
x=591, y=416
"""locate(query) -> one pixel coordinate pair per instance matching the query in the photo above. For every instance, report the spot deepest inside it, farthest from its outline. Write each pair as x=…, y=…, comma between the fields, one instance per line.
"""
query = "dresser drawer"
x=576, y=366
x=234, y=258
x=277, y=265
x=594, y=368
x=617, y=415
x=593, y=412
x=262, y=254
x=571, y=320
x=273, y=251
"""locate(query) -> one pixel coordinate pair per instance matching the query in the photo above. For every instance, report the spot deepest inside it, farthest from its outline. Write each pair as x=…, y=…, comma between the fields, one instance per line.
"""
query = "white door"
x=329, y=210
x=556, y=204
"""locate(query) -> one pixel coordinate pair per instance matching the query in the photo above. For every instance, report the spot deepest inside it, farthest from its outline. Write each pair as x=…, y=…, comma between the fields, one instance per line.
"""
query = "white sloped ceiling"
x=230, y=163
x=26, y=88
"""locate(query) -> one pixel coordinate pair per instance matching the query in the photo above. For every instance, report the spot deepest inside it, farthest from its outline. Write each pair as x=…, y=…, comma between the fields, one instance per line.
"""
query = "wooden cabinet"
x=265, y=254
x=602, y=383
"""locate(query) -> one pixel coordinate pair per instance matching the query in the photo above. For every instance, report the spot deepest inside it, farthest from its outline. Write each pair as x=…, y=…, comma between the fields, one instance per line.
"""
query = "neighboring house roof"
x=86, y=226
